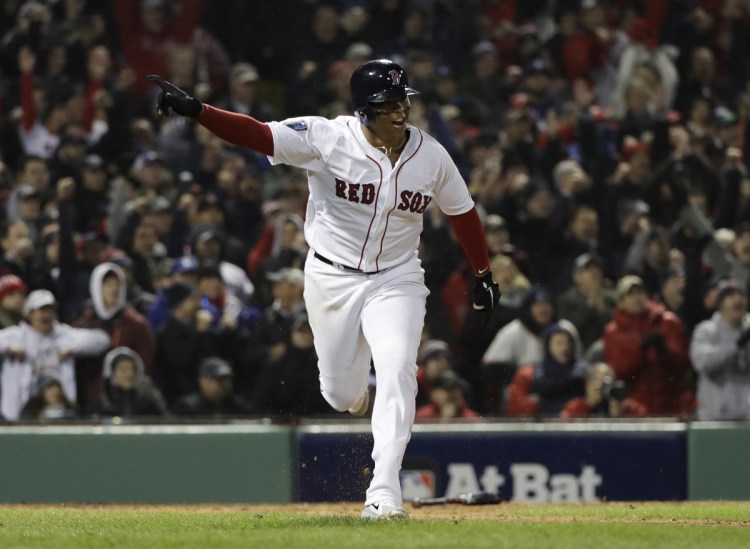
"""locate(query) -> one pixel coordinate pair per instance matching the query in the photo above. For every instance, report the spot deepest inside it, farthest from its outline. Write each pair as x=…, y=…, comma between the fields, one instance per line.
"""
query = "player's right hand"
x=171, y=96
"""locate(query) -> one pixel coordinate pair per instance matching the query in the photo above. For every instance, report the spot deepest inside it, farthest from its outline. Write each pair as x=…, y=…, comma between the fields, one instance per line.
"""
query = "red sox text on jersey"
x=363, y=211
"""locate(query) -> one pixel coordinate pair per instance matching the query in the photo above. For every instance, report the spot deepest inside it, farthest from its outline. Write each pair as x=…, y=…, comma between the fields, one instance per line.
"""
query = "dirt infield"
x=504, y=512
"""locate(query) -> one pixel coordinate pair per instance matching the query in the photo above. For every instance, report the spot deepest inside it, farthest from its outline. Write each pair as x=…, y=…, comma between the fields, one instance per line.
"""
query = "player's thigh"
x=392, y=322
x=334, y=307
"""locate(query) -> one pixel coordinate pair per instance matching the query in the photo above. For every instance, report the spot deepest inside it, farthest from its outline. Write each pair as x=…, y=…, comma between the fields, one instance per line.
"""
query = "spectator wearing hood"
x=42, y=345
x=516, y=344
x=48, y=401
x=128, y=392
x=110, y=311
x=543, y=388
x=646, y=347
x=12, y=295
x=720, y=352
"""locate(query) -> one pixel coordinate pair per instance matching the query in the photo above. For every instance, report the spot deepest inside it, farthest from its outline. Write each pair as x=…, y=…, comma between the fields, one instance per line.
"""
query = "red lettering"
x=353, y=188
x=416, y=202
x=368, y=193
x=427, y=200
x=340, y=188
x=405, y=197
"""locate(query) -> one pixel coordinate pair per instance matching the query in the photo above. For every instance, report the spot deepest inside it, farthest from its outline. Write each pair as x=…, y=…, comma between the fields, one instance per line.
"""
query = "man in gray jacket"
x=720, y=352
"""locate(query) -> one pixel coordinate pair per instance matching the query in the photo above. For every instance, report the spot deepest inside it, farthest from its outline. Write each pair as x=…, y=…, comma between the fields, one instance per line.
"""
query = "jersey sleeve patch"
x=298, y=125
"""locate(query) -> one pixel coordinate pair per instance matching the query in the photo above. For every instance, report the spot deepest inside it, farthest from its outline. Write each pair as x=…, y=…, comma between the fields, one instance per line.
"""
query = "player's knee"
x=341, y=398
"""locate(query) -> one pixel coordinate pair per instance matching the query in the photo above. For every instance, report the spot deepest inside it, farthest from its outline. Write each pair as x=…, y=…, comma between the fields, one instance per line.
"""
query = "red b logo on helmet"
x=395, y=77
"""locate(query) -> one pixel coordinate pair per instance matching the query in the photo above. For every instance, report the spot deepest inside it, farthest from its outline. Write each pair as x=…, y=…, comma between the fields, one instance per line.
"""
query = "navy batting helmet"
x=375, y=82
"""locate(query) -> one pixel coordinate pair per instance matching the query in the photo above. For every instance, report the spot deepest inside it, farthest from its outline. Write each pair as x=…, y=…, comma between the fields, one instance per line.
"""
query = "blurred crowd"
x=151, y=270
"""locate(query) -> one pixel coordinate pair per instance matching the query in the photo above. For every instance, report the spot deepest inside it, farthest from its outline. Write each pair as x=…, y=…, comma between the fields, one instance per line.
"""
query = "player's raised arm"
x=238, y=129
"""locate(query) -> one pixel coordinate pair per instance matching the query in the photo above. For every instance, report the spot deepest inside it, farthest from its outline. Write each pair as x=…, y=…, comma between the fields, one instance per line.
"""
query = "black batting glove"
x=744, y=339
x=172, y=96
x=486, y=294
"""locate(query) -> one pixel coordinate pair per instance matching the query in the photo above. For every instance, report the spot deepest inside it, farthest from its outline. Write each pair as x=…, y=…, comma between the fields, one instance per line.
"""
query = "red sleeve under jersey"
x=470, y=233
x=238, y=129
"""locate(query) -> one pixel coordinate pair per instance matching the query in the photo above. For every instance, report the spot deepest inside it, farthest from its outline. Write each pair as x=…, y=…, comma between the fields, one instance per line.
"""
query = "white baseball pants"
x=355, y=317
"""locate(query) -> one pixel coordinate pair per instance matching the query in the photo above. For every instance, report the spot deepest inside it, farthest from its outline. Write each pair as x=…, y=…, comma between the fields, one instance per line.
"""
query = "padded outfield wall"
x=260, y=463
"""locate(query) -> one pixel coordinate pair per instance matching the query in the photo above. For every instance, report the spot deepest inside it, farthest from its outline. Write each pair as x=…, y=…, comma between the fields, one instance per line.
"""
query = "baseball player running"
x=371, y=177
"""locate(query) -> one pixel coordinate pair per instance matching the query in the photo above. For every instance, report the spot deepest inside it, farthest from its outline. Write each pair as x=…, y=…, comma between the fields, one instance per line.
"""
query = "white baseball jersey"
x=364, y=212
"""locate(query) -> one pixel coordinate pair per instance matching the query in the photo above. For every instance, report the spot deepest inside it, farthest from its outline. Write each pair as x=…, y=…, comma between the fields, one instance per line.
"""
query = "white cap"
x=38, y=299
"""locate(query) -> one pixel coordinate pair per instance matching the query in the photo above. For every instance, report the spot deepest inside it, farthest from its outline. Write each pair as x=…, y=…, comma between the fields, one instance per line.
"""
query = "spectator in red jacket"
x=646, y=346
x=447, y=399
x=606, y=396
x=149, y=28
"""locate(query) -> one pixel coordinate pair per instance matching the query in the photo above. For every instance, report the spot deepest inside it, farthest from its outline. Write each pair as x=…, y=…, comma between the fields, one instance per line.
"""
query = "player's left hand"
x=486, y=293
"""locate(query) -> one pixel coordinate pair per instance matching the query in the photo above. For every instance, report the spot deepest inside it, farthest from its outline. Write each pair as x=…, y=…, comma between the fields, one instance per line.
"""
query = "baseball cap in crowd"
x=565, y=169
x=244, y=73
x=207, y=233
x=634, y=208
x=537, y=294
x=93, y=162
x=120, y=258
x=587, y=260
x=300, y=321
x=537, y=66
x=72, y=139
x=184, y=264
x=146, y=158
x=208, y=201
x=358, y=50
x=727, y=288
x=449, y=379
x=495, y=222
x=626, y=284
x=215, y=367
x=723, y=117
x=288, y=274
x=485, y=47
x=37, y=300
x=159, y=204
x=271, y=207
x=430, y=348
x=11, y=283
x=26, y=191
x=177, y=293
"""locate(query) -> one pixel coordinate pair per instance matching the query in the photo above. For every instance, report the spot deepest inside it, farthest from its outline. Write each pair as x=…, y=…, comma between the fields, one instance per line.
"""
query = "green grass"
x=608, y=526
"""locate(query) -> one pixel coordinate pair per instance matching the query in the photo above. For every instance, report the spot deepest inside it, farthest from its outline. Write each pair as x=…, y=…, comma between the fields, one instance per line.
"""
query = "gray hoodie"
x=95, y=288
x=724, y=384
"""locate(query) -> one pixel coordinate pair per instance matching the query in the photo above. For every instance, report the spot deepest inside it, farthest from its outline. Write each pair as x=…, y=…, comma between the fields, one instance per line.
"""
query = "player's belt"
x=341, y=267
